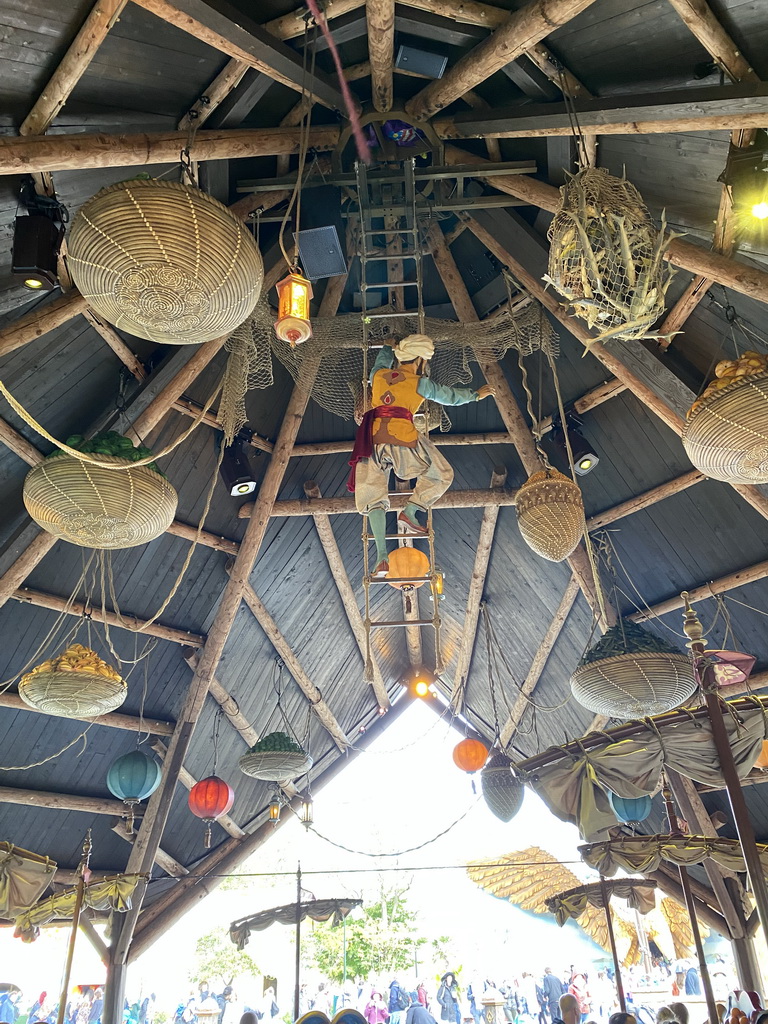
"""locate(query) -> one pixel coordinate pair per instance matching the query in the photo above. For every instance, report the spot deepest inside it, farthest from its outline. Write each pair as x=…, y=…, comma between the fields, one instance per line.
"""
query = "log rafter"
x=188, y=781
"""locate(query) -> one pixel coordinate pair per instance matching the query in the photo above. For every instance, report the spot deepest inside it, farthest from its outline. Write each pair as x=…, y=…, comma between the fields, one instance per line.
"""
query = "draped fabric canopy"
x=317, y=910
x=638, y=892
x=645, y=853
x=113, y=893
x=574, y=786
x=24, y=877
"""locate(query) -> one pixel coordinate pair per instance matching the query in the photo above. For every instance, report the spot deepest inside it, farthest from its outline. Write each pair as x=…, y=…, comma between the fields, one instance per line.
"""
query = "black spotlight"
x=584, y=458
x=37, y=239
x=236, y=469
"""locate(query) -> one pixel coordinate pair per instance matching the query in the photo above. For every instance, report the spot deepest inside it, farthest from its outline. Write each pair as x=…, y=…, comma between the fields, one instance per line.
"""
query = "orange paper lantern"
x=407, y=563
x=470, y=755
x=209, y=799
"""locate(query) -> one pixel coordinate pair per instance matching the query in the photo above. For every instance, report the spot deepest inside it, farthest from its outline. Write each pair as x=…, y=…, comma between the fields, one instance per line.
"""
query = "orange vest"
x=397, y=386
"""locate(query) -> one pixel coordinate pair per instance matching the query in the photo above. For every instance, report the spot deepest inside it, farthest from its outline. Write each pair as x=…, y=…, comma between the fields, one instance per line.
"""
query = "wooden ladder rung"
x=401, y=622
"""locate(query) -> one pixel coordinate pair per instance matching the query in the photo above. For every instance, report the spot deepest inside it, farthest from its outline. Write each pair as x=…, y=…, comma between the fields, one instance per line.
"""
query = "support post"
x=706, y=677
x=82, y=873
x=614, y=952
x=297, y=984
x=114, y=990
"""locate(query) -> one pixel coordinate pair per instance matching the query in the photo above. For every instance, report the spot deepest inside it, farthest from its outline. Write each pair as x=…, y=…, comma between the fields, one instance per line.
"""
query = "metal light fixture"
x=306, y=815
x=584, y=458
x=293, y=295
x=36, y=241
x=275, y=806
x=235, y=469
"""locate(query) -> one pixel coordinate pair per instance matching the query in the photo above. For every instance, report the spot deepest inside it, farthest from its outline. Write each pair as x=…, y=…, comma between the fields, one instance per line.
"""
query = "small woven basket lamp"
x=165, y=261
x=631, y=673
x=96, y=507
x=75, y=684
x=502, y=791
x=550, y=514
x=726, y=436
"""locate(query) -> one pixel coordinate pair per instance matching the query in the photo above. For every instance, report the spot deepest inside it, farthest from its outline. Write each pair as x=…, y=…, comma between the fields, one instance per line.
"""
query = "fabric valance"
x=639, y=894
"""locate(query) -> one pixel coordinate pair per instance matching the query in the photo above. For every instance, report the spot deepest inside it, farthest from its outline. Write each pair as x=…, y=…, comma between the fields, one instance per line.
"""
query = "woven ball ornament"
x=550, y=514
x=502, y=792
x=165, y=261
x=75, y=684
x=96, y=507
x=634, y=685
x=726, y=436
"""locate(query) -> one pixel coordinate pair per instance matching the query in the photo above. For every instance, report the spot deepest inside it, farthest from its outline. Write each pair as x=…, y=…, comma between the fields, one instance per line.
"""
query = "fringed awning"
x=113, y=893
x=316, y=910
x=646, y=853
x=638, y=892
x=24, y=877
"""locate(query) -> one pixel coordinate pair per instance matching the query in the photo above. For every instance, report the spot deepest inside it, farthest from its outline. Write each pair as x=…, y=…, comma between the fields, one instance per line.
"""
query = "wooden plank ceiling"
x=133, y=69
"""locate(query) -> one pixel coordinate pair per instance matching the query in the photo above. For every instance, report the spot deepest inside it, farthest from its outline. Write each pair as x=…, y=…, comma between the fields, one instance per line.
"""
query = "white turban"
x=415, y=346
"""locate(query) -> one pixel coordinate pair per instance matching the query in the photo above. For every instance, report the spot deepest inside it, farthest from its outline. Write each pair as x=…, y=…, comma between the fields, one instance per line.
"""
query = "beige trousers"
x=431, y=470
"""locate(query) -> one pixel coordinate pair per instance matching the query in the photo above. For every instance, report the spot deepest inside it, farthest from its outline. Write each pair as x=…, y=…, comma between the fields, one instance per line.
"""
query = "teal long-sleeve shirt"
x=440, y=393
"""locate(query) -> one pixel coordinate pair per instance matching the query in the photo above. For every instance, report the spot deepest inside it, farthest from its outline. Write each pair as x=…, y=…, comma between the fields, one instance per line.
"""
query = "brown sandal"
x=414, y=528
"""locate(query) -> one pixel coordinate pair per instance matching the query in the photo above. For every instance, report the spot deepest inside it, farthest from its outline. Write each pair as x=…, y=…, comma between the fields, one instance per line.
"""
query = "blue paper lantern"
x=629, y=809
x=132, y=778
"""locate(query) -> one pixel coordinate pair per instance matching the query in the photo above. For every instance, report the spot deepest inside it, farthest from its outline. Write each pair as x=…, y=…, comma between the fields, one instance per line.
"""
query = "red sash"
x=364, y=437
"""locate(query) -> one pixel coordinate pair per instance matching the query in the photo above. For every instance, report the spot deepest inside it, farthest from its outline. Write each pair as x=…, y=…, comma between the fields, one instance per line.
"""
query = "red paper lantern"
x=470, y=755
x=209, y=799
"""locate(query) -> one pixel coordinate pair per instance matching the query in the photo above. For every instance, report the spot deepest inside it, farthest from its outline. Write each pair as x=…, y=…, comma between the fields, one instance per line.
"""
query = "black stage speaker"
x=320, y=252
x=423, y=63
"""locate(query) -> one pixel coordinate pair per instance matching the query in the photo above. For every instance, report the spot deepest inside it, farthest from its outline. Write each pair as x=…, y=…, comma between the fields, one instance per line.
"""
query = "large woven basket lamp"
x=165, y=261
x=74, y=684
x=631, y=673
x=550, y=514
x=276, y=757
x=726, y=436
x=96, y=507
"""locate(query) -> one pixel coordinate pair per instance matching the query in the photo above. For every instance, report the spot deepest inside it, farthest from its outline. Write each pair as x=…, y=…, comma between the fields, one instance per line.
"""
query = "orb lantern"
x=132, y=778
x=209, y=799
x=293, y=295
x=407, y=564
x=470, y=755
x=629, y=809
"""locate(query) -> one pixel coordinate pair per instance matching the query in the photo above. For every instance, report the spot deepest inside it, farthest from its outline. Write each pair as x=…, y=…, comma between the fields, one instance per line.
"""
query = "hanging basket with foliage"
x=502, y=791
x=550, y=514
x=165, y=261
x=276, y=758
x=631, y=673
x=74, y=684
x=96, y=507
x=726, y=436
x=606, y=256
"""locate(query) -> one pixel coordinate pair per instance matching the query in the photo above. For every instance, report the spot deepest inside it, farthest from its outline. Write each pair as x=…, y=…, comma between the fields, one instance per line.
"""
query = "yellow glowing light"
x=33, y=282
x=760, y=210
x=421, y=688
x=293, y=295
x=585, y=464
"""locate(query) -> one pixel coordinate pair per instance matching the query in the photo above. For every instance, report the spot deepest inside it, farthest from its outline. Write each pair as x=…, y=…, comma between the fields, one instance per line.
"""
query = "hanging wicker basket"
x=502, y=791
x=726, y=436
x=165, y=261
x=550, y=514
x=97, y=507
x=76, y=684
x=277, y=757
x=631, y=673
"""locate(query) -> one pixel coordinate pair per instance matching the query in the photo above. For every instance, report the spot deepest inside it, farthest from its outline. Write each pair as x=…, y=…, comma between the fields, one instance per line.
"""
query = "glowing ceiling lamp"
x=293, y=295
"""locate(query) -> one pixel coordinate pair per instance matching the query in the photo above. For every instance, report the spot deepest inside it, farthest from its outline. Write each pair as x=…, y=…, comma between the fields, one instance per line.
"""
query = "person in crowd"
x=97, y=1008
x=322, y=1001
x=249, y=1017
x=417, y=1012
x=398, y=998
x=421, y=993
x=680, y=1011
x=9, y=1009
x=568, y=1006
x=529, y=1004
x=692, y=983
x=269, y=1007
x=579, y=989
x=553, y=989
x=448, y=997
x=543, y=1004
x=665, y=1015
x=474, y=992
x=604, y=995
x=622, y=1018
x=376, y=1011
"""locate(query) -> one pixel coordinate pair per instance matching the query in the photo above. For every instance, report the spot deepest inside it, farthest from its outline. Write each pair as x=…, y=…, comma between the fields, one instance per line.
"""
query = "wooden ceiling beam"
x=380, y=15
x=346, y=505
x=539, y=662
x=346, y=593
x=645, y=500
x=164, y=860
x=72, y=67
x=113, y=720
x=703, y=23
x=235, y=34
x=86, y=927
x=188, y=781
x=128, y=358
x=744, y=106
x=292, y=663
x=704, y=912
x=62, y=801
x=520, y=31
x=292, y=25
x=733, y=580
x=475, y=595
x=228, y=79
x=122, y=621
x=40, y=321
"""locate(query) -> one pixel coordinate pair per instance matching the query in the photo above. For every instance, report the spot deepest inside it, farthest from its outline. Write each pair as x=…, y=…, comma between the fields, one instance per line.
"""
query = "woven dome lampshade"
x=74, y=684
x=726, y=436
x=165, y=261
x=96, y=507
x=630, y=673
x=502, y=791
x=550, y=514
x=276, y=757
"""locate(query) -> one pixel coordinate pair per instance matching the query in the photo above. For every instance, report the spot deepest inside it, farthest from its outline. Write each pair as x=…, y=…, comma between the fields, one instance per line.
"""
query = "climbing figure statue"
x=387, y=439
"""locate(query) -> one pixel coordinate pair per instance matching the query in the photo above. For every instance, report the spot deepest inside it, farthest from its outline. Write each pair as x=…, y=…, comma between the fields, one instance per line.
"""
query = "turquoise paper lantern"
x=629, y=809
x=132, y=778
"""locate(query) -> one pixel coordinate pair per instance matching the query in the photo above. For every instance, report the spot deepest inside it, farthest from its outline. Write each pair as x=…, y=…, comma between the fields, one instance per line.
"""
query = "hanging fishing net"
x=338, y=341
x=606, y=256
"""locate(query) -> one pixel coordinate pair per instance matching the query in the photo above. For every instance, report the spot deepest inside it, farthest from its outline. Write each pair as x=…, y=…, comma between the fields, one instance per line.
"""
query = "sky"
x=389, y=804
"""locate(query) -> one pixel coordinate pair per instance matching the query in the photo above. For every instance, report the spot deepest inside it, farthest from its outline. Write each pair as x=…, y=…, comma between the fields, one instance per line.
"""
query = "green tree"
x=383, y=940
x=217, y=958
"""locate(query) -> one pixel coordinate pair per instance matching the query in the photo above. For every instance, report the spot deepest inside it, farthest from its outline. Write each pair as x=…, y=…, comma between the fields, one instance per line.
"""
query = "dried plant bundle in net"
x=606, y=256
x=337, y=385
